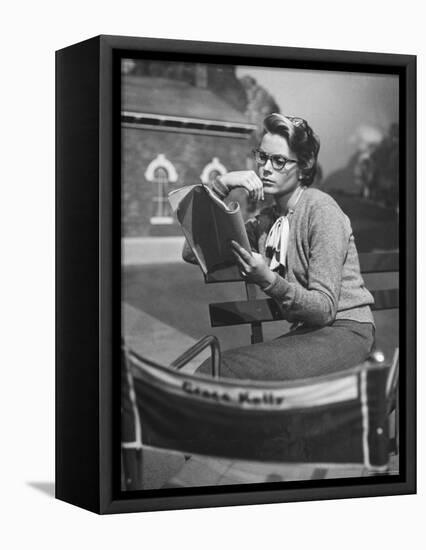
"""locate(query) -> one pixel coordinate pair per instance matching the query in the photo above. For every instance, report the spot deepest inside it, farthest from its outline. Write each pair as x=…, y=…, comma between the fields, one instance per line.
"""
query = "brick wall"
x=189, y=153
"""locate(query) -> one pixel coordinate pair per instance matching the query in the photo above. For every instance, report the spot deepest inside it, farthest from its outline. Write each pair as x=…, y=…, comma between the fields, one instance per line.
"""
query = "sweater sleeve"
x=220, y=188
x=329, y=232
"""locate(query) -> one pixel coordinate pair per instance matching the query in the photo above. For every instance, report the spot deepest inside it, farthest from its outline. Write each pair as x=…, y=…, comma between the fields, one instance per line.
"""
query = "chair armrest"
x=197, y=348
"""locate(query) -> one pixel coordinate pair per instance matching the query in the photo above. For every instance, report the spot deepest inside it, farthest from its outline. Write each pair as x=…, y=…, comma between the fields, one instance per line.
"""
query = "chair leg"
x=394, y=426
x=397, y=421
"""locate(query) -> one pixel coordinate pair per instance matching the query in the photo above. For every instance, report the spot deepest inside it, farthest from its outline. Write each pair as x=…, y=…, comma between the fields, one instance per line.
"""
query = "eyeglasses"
x=278, y=161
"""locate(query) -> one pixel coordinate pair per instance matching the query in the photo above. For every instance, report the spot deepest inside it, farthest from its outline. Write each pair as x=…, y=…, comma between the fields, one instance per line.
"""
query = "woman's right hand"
x=247, y=179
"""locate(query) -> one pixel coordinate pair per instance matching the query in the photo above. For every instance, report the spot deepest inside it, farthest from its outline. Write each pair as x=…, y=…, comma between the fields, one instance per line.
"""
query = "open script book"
x=209, y=225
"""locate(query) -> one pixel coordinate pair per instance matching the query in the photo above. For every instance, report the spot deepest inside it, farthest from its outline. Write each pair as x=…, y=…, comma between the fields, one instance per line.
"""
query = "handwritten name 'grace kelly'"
x=240, y=396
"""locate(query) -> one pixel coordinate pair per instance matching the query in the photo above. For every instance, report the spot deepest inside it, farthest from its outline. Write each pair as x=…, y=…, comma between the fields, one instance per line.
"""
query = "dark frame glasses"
x=278, y=162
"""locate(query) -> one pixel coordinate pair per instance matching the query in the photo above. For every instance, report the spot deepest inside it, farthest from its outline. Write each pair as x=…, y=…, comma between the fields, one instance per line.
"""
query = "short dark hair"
x=301, y=139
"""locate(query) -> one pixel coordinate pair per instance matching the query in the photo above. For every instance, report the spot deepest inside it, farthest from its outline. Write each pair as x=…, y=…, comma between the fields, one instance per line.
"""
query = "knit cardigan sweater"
x=323, y=281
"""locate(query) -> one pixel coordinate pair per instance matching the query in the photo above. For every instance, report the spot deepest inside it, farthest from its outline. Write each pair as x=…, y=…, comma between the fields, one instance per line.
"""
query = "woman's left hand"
x=252, y=266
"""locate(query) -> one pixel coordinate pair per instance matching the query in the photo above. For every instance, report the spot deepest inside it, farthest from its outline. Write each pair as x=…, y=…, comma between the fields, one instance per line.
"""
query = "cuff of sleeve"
x=220, y=188
x=279, y=289
x=269, y=287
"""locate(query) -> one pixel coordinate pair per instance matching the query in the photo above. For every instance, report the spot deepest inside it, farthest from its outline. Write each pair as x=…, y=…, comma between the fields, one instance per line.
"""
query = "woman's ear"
x=308, y=164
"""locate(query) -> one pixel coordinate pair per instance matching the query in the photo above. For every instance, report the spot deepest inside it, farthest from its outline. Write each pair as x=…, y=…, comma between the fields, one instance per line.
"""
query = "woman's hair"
x=301, y=139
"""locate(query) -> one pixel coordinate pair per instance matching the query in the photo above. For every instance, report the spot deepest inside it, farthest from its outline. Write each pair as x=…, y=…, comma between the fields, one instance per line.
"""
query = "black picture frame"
x=88, y=274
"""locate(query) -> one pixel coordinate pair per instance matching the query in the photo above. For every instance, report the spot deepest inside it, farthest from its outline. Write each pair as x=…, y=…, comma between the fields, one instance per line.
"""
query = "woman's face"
x=278, y=182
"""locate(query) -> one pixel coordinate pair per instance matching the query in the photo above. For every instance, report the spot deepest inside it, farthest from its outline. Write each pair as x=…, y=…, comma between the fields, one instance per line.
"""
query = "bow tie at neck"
x=277, y=239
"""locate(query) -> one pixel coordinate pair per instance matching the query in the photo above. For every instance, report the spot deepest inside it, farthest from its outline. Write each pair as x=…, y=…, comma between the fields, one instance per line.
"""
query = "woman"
x=304, y=257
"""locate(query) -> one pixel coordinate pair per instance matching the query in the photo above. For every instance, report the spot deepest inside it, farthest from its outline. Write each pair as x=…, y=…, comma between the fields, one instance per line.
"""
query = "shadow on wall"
x=374, y=224
x=375, y=227
x=367, y=189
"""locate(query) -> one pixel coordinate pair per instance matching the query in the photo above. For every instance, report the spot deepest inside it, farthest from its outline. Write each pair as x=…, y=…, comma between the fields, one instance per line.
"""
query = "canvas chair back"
x=339, y=418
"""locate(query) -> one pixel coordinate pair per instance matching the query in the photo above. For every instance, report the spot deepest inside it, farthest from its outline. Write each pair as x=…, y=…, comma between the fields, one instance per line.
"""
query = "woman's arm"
x=246, y=179
x=329, y=235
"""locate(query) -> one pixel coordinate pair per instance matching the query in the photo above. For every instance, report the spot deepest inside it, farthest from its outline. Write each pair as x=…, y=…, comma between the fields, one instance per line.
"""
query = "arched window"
x=161, y=212
x=212, y=170
x=160, y=173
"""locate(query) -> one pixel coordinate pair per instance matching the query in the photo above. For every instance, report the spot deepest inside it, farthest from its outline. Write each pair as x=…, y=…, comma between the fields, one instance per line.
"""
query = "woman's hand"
x=247, y=179
x=252, y=266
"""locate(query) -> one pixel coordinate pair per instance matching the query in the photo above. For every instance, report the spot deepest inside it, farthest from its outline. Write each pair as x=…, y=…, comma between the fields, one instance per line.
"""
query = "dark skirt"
x=301, y=353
